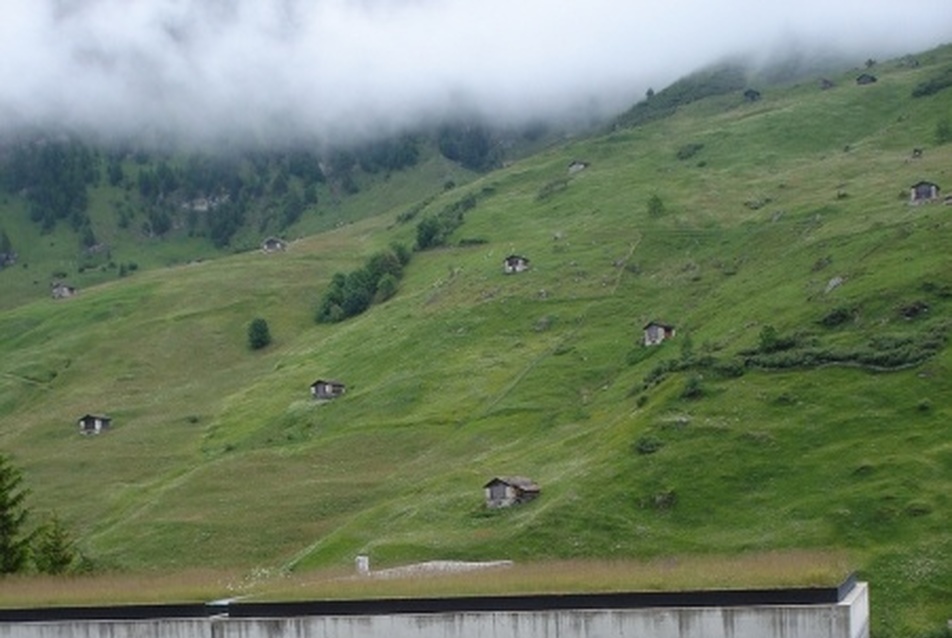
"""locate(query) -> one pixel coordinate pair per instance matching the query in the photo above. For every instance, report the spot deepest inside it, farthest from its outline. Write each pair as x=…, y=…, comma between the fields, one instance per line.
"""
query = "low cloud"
x=330, y=70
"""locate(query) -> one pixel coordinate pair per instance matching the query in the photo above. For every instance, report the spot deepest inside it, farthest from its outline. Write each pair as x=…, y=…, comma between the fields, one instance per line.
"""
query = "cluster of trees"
x=393, y=154
x=47, y=549
x=54, y=176
x=471, y=145
x=934, y=84
x=230, y=187
x=216, y=196
x=434, y=230
x=352, y=293
x=281, y=185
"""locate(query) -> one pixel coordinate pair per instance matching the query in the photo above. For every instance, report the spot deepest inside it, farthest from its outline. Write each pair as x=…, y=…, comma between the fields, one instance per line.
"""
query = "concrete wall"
x=848, y=618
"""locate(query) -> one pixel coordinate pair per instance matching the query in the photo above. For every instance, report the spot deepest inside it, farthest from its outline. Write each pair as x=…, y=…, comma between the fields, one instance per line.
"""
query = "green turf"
x=218, y=456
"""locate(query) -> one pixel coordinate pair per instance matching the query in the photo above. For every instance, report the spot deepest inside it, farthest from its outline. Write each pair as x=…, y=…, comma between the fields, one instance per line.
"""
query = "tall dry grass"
x=199, y=585
x=768, y=570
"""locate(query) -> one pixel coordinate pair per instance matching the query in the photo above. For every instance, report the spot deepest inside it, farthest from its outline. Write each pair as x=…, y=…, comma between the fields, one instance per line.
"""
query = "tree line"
x=218, y=195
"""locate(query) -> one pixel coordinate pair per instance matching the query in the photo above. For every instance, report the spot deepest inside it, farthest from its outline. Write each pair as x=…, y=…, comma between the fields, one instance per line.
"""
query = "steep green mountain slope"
x=803, y=402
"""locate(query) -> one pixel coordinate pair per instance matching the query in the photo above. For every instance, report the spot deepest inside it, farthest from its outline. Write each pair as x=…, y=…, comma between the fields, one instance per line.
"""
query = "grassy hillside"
x=803, y=403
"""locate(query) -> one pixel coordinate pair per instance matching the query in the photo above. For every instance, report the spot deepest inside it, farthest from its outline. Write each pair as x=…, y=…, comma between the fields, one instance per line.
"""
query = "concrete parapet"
x=846, y=617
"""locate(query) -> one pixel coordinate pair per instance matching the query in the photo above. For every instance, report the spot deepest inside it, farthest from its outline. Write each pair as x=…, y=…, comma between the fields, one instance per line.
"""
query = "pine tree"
x=14, y=545
x=259, y=335
x=53, y=548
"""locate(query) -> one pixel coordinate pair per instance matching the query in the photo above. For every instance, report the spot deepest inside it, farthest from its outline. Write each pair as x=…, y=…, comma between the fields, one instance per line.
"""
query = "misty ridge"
x=333, y=72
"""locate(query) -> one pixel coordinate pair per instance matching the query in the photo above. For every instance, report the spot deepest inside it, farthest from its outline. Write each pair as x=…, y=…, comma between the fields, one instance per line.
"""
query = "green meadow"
x=801, y=409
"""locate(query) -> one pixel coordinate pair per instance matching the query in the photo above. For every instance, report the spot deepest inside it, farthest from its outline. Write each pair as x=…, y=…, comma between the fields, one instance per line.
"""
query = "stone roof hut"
x=923, y=192
x=656, y=332
x=60, y=290
x=93, y=424
x=274, y=245
x=326, y=389
x=515, y=263
x=510, y=490
x=577, y=165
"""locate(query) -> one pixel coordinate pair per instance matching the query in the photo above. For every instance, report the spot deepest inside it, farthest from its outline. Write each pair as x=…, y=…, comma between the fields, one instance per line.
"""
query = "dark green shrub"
x=729, y=369
x=411, y=212
x=402, y=252
x=386, y=288
x=259, y=335
x=838, y=316
x=648, y=444
x=660, y=371
x=934, y=84
x=429, y=233
x=688, y=151
x=692, y=388
x=655, y=206
x=770, y=341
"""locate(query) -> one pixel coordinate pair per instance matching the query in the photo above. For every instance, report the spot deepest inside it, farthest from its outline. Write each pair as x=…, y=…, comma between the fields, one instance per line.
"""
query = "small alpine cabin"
x=326, y=389
x=515, y=263
x=923, y=193
x=510, y=490
x=656, y=332
x=93, y=424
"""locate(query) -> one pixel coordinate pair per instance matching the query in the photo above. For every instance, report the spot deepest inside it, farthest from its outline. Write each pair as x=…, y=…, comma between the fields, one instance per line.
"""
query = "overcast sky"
x=336, y=68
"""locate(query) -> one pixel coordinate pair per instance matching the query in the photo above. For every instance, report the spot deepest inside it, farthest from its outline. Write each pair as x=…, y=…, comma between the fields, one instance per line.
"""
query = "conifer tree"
x=259, y=335
x=14, y=545
x=53, y=549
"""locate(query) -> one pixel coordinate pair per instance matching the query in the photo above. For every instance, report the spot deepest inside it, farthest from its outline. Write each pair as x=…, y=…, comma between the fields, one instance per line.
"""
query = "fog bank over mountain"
x=333, y=70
